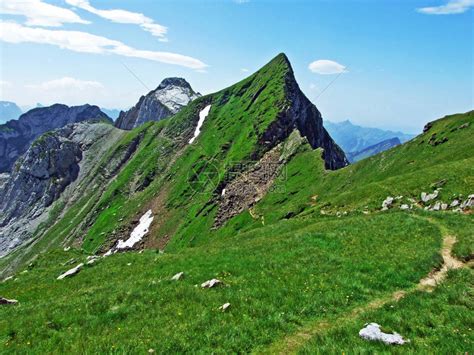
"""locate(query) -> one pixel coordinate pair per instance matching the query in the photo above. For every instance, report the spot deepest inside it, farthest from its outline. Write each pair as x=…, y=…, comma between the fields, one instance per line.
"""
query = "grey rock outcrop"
x=166, y=100
x=40, y=176
x=17, y=135
x=302, y=114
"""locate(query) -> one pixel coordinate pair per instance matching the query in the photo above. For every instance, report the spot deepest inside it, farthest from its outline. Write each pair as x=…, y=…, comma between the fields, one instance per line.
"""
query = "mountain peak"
x=167, y=99
x=174, y=81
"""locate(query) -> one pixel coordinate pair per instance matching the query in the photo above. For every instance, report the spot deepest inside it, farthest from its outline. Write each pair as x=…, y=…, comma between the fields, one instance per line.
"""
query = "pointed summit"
x=296, y=112
x=166, y=100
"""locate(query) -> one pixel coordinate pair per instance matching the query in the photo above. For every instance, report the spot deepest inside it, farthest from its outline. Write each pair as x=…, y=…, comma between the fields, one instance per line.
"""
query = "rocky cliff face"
x=40, y=176
x=16, y=136
x=300, y=113
x=166, y=100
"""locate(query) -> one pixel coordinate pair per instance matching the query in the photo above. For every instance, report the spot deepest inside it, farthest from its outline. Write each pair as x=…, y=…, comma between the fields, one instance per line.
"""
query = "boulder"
x=224, y=307
x=178, y=276
x=372, y=332
x=428, y=197
x=91, y=259
x=211, y=283
x=404, y=207
x=71, y=272
x=468, y=203
x=6, y=301
x=387, y=203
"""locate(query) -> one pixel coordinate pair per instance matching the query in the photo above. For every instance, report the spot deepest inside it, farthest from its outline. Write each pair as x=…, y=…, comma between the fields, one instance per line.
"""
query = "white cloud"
x=324, y=66
x=67, y=83
x=124, y=16
x=78, y=41
x=451, y=8
x=312, y=86
x=241, y=1
x=39, y=13
x=68, y=90
x=4, y=83
x=244, y=70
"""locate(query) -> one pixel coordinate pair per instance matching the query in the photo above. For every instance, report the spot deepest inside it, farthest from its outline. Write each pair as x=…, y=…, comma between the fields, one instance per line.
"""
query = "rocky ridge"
x=167, y=99
x=49, y=166
x=17, y=135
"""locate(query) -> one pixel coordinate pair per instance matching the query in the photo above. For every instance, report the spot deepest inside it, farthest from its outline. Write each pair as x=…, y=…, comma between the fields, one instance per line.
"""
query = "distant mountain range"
x=354, y=139
x=373, y=149
x=9, y=111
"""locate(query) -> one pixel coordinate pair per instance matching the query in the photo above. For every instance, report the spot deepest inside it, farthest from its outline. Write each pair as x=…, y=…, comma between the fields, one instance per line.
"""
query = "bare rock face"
x=40, y=176
x=17, y=135
x=303, y=115
x=166, y=100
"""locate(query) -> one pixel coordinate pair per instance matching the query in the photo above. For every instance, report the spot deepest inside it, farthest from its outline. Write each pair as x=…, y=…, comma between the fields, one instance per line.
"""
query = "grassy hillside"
x=315, y=250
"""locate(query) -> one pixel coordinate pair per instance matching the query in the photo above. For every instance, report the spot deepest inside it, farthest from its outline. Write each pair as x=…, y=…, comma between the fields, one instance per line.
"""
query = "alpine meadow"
x=189, y=219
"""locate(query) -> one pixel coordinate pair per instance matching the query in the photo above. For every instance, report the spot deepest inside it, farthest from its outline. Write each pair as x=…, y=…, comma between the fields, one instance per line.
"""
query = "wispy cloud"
x=66, y=83
x=451, y=8
x=79, y=41
x=124, y=16
x=241, y=1
x=39, y=13
x=68, y=90
x=244, y=70
x=325, y=66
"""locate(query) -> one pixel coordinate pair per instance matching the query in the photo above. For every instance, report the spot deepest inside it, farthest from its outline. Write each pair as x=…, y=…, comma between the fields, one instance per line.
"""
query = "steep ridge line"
x=292, y=343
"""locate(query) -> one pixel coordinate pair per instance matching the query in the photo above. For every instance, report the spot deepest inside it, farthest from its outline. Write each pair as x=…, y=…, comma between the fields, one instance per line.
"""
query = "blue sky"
x=406, y=62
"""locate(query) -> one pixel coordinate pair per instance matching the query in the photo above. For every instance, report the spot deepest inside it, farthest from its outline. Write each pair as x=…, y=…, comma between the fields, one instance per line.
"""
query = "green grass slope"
x=275, y=282
x=313, y=249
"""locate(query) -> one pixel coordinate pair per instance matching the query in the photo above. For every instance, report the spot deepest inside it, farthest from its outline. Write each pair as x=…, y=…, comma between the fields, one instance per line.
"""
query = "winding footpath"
x=293, y=342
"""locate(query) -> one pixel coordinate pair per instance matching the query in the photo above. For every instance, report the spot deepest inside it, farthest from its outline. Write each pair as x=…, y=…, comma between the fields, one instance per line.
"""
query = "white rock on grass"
x=8, y=278
x=444, y=206
x=454, y=203
x=469, y=202
x=138, y=233
x=71, y=272
x=91, y=259
x=387, y=203
x=211, y=283
x=437, y=206
x=224, y=307
x=428, y=197
x=110, y=252
x=404, y=207
x=372, y=332
x=6, y=301
x=178, y=276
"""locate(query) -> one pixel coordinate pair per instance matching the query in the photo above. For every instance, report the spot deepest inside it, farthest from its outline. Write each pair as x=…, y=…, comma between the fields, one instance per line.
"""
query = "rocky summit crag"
x=167, y=99
x=17, y=135
x=49, y=166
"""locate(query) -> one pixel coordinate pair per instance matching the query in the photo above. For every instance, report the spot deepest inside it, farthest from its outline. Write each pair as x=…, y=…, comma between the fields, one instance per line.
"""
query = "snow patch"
x=202, y=116
x=138, y=233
